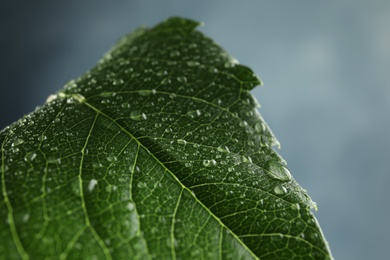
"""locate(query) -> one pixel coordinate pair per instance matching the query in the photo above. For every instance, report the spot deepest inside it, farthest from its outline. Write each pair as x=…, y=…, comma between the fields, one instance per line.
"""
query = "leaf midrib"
x=168, y=170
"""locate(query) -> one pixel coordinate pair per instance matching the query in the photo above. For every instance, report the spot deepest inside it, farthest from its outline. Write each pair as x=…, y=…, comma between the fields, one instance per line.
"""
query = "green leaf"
x=157, y=152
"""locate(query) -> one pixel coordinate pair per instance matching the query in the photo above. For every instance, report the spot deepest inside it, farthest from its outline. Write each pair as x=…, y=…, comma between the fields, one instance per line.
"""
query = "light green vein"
x=173, y=226
x=173, y=176
x=131, y=199
x=87, y=221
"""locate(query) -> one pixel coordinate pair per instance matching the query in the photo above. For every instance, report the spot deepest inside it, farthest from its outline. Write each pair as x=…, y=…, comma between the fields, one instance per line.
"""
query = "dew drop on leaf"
x=111, y=158
x=278, y=171
x=192, y=63
x=181, y=141
x=26, y=217
x=208, y=163
x=91, y=185
x=125, y=105
x=30, y=157
x=279, y=189
x=17, y=142
x=182, y=79
x=130, y=206
x=137, y=116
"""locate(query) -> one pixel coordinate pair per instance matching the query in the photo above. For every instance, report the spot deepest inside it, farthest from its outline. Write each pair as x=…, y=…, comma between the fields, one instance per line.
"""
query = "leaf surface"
x=157, y=152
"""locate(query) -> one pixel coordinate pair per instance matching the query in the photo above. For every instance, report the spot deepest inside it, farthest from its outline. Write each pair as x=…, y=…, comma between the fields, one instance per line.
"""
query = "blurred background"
x=325, y=67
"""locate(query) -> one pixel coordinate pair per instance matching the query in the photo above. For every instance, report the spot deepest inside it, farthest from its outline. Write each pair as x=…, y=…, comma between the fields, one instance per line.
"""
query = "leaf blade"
x=162, y=134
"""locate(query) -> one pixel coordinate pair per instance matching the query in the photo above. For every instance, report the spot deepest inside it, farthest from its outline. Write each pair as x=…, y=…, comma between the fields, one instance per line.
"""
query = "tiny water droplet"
x=313, y=205
x=51, y=98
x=181, y=141
x=174, y=53
x=42, y=137
x=26, y=217
x=111, y=158
x=194, y=113
x=118, y=82
x=259, y=127
x=17, y=142
x=30, y=157
x=162, y=73
x=97, y=165
x=208, y=163
x=141, y=185
x=137, y=116
x=192, y=63
x=166, y=81
x=125, y=105
x=130, y=206
x=182, y=79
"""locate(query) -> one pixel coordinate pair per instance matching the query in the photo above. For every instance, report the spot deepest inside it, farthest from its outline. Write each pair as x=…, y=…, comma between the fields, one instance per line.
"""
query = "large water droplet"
x=208, y=163
x=92, y=184
x=30, y=157
x=194, y=113
x=181, y=79
x=192, y=63
x=181, y=141
x=130, y=206
x=111, y=158
x=137, y=116
x=279, y=189
x=125, y=105
x=278, y=171
x=17, y=142
x=26, y=217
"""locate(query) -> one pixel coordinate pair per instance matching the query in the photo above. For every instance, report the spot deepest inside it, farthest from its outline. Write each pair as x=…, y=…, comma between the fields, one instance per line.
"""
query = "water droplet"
x=182, y=79
x=279, y=189
x=174, y=53
x=118, y=82
x=130, y=206
x=71, y=84
x=42, y=137
x=181, y=141
x=97, y=165
x=313, y=205
x=111, y=158
x=51, y=98
x=141, y=185
x=278, y=171
x=92, y=184
x=17, y=142
x=26, y=217
x=30, y=157
x=162, y=73
x=192, y=63
x=125, y=105
x=259, y=127
x=194, y=113
x=137, y=116
x=166, y=81
x=208, y=163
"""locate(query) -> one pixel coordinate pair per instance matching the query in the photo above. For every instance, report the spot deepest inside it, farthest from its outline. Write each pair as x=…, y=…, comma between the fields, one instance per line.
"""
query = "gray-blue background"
x=325, y=65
